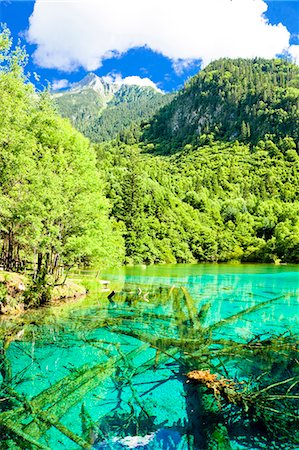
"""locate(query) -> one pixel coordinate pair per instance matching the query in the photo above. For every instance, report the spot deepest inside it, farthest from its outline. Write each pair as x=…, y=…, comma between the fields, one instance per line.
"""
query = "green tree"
x=53, y=210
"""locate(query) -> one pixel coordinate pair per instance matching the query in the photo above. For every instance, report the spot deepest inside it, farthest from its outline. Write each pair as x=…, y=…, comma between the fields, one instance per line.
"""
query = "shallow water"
x=112, y=372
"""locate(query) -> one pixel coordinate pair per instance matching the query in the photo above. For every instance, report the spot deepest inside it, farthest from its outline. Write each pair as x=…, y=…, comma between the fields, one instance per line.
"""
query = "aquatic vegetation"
x=132, y=345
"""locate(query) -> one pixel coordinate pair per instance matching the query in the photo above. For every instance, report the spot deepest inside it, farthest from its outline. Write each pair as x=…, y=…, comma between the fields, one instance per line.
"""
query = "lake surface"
x=111, y=373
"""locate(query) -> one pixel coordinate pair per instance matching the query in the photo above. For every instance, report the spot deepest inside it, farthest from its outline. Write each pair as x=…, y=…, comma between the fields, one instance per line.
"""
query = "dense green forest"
x=218, y=202
x=212, y=177
x=233, y=100
x=52, y=208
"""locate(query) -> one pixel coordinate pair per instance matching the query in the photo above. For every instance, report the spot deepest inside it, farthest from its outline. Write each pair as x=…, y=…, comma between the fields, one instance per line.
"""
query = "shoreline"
x=13, y=287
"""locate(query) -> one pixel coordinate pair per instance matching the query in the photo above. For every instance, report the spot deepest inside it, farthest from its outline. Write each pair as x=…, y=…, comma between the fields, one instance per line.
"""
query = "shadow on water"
x=151, y=367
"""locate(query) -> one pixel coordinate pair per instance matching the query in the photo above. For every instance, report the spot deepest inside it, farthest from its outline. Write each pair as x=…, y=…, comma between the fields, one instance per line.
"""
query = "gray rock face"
x=98, y=84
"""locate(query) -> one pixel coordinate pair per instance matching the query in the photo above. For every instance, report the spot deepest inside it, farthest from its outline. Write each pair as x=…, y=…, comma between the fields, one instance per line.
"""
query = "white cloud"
x=60, y=84
x=131, y=81
x=294, y=52
x=84, y=32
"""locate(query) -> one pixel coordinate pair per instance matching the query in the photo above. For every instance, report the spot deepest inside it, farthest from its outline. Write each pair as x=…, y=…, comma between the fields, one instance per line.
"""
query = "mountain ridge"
x=91, y=80
x=232, y=99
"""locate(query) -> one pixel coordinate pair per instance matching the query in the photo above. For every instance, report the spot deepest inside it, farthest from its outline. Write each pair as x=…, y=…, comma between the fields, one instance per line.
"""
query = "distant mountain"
x=231, y=100
x=95, y=83
x=101, y=109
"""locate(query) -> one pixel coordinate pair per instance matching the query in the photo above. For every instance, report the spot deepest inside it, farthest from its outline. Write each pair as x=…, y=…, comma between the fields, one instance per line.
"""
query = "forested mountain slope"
x=238, y=99
x=101, y=109
x=226, y=184
x=219, y=202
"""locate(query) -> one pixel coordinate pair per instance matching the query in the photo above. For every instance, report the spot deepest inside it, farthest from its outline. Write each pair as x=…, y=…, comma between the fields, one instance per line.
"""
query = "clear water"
x=111, y=372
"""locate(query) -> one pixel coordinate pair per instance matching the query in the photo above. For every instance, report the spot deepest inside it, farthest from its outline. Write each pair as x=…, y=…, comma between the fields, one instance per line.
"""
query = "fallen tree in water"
x=182, y=335
x=250, y=400
x=273, y=407
x=269, y=406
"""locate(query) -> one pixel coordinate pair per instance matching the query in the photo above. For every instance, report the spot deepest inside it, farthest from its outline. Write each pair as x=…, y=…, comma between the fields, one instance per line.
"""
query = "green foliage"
x=220, y=202
x=3, y=293
x=53, y=211
x=233, y=99
x=38, y=293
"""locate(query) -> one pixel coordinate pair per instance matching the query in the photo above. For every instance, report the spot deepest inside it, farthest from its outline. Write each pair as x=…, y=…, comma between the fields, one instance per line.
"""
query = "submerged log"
x=221, y=388
x=274, y=406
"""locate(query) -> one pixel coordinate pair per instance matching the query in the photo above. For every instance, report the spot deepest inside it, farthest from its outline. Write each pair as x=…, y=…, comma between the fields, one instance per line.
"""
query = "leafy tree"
x=53, y=211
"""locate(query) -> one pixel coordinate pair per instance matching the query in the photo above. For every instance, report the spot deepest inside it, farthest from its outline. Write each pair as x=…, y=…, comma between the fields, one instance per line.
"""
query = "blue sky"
x=171, y=52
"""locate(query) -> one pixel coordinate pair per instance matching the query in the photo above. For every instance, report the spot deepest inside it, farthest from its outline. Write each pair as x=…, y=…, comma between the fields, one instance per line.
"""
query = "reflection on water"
x=110, y=373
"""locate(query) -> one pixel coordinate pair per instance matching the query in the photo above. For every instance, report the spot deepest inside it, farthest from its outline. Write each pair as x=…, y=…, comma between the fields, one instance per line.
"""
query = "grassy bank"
x=17, y=293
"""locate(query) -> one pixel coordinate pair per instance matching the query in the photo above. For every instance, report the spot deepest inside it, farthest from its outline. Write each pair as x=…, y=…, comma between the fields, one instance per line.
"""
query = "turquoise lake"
x=110, y=373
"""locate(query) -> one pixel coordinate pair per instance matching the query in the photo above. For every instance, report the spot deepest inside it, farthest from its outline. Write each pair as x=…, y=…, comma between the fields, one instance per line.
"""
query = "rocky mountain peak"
x=98, y=84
